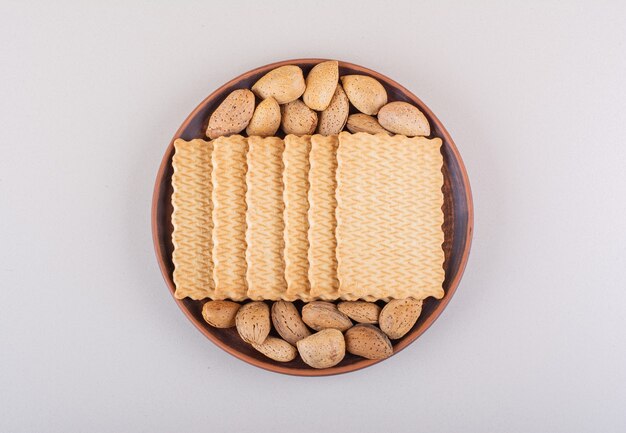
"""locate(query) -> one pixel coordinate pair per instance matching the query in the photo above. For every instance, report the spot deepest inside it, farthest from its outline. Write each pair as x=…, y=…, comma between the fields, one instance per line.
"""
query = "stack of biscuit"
x=349, y=216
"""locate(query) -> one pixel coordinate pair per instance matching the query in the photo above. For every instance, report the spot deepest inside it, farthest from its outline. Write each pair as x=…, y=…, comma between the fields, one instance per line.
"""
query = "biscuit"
x=265, y=226
x=322, y=222
x=295, y=195
x=389, y=217
x=191, y=218
x=229, y=217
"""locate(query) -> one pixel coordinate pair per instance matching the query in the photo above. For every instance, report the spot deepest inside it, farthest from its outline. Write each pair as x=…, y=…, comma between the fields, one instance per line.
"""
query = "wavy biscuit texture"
x=295, y=195
x=389, y=217
x=265, y=225
x=191, y=218
x=354, y=216
x=229, y=217
x=322, y=222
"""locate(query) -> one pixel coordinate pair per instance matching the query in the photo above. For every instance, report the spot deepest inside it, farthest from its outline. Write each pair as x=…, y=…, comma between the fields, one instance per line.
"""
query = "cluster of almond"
x=324, y=331
x=318, y=104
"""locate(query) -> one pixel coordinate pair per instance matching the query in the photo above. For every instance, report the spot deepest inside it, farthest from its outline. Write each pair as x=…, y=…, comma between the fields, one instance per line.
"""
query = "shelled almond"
x=321, y=102
x=287, y=322
x=333, y=332
x=253, y=322
x=368, y=341
x=276, y=349
x=398, y=317
x=323, y=349
x=285, y=84
x=220, y=314
x=232, y=115
x=320, y=315
x=360, y=311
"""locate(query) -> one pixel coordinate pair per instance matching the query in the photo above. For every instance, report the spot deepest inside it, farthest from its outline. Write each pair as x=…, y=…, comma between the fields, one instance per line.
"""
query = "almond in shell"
x=288, y=323
x=368, y=341
x=360, y=311
x=266, y=119
x=298, y=119
x=285, y=84
x=276, y=349
x=321, y=84
x=360, y=122
x=334, y=117
x=323, y=349
x=398, y=317
x=253, y=322
x=365, y=93
x=403, y=118
x=232, y=115
x=324, y=315
x=220, y=314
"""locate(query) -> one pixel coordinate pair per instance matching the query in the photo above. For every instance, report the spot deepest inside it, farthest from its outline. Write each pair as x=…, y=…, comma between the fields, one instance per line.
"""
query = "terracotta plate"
x=458, y=225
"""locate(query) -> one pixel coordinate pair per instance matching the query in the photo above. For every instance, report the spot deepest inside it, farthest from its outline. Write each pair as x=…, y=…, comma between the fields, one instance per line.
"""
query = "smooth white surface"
x=534, y=95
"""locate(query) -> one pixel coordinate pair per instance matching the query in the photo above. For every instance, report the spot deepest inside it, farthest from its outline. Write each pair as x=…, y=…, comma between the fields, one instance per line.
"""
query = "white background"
x=532, y=92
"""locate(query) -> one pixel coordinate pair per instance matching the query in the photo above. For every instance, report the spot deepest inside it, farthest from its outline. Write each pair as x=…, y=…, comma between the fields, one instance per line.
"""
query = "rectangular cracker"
x=295, y=196
x=265, y=225
x=191, y=218
x=322, y=222
x=389, y=217
x=229, y=217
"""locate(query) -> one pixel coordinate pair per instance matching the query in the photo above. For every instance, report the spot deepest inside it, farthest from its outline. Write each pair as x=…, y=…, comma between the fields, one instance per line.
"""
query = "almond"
x=285, y=84
x=368, y=341
x=324, y=315
x=220, y=314
x=321, y=84
x=276, y=349
x=288, y=323
x=334, y=117
x=403, y=118
x=364, y=123
x=398, y=317
x=365, y=93
x=360, y=311
x=266, y=119
x=253, y=322
x=232, y=115
x=298, y=119
x=323, y=349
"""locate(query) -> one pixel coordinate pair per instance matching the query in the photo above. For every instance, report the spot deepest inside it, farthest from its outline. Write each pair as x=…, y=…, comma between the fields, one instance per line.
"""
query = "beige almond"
x=360, y=311
x=288, y=323
x=403, y=118
x=285, y=84
x=253, y=322
x=360, y=122
x=334, y=117
x=398, y=317
x=265, y=120
x=368, y=341
x=321, y=84
x=297, y=118
x=232, y=115
x=276, y=349
x=220, y=314
x=323, y=349
x=365, y=93
x=324, y=315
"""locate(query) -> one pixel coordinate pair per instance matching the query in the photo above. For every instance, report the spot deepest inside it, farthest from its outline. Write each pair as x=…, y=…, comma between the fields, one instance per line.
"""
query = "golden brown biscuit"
x=296, y=189
x=265, y=225
x=191, y=218
x=389, y=217
x=322, y=222
x=229, y=217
